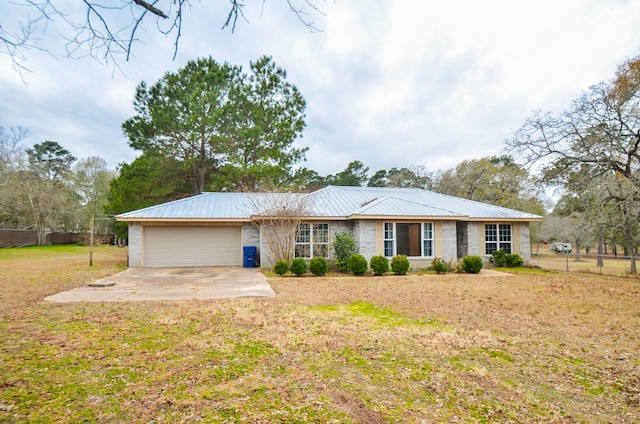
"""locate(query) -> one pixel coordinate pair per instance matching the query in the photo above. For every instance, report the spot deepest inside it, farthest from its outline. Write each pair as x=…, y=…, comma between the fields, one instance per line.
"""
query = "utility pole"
x=91, y=220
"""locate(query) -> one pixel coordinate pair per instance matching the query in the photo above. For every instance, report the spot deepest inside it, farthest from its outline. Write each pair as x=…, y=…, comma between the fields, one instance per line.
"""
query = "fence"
x=23, y=238
x=611, y=264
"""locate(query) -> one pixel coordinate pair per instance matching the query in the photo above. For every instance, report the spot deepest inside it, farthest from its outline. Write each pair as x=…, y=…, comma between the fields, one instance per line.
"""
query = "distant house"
x=211, y=229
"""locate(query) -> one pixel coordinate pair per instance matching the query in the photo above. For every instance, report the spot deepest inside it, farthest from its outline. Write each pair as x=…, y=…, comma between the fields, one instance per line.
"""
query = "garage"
x=191, y=246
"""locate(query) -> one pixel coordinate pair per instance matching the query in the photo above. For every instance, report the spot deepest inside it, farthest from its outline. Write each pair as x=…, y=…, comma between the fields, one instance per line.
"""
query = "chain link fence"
x=585, y=262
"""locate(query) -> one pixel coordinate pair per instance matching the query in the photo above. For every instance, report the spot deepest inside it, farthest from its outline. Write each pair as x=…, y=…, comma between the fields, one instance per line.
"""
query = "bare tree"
x=12, y=164
x=594, y=146
x=624, y=198
x=278, y=216
x=106, y=30
x=11, y=152
x=600, y=130
x=91, y=183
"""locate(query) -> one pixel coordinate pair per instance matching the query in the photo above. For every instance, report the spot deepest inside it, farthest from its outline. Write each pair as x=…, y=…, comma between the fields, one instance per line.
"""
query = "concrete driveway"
x=138, y=284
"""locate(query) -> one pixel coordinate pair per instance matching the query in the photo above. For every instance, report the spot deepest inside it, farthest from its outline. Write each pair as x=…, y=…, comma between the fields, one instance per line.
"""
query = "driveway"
x=138, y=284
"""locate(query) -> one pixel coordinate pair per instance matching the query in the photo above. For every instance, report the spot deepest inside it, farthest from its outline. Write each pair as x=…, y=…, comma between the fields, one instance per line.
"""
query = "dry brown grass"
x=544, y=321
x=28, y=274
x=452, y=348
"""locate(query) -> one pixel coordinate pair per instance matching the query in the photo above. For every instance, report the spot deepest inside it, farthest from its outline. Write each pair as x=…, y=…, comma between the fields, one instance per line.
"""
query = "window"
x=427, y=239
x=312, y=240
x=388, y=239
x=410, y=239
x=320, y=237
x=303, y=241
x=497, y=236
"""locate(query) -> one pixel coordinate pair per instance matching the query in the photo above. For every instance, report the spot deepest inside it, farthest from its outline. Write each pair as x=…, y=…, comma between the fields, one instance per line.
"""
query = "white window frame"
x=501, y=237
x=389, y=244
x=316, y=240
x=390, y=248
x=427, y=237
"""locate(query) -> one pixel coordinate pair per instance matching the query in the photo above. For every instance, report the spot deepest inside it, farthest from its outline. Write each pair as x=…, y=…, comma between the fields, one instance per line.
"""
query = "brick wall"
x=472, y=238
x=364, y=233
x=449, y=240
x=135, y=244
x=525, y=241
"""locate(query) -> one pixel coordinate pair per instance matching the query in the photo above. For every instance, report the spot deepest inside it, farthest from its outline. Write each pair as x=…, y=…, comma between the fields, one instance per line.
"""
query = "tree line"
x=46, y=189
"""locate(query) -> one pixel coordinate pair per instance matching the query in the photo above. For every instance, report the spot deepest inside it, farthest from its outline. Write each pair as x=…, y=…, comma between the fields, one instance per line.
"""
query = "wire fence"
x=585, y=262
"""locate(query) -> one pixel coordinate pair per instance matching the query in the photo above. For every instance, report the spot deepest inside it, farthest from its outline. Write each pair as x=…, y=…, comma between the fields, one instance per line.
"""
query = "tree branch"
x=103, y=31
x=151, y=8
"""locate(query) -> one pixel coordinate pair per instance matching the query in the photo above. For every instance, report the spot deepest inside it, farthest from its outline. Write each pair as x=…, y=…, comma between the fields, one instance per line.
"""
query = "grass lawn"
x=433, y=348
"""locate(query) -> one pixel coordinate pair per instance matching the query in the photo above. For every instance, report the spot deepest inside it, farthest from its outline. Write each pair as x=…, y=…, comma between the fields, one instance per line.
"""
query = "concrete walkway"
x=139, y=284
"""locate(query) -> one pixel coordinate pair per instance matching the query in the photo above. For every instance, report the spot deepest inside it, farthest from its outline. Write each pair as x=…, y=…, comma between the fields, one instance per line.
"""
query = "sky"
x=391, y=83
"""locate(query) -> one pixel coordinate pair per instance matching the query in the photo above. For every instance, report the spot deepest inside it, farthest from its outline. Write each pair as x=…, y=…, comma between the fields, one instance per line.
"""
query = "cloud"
x=407, y=82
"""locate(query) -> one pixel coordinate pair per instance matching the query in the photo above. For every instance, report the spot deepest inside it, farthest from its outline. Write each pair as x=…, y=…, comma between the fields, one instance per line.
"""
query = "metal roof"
x=390, y=201
x=330, y=202
x=205, y=205
x=400, y=207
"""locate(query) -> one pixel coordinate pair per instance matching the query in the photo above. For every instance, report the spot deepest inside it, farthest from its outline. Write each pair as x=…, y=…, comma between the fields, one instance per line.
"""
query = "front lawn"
x=432, y=348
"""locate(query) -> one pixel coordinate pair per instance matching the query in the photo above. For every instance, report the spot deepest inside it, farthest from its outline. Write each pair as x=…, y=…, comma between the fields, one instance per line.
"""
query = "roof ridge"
x=429, y=206
x=369, y=204
x=371, y=188
x=379, y=200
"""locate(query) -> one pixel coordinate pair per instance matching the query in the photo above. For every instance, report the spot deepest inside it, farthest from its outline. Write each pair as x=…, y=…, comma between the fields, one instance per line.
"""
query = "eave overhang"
x=183, y=220
x=409, y=217
x=258, y=218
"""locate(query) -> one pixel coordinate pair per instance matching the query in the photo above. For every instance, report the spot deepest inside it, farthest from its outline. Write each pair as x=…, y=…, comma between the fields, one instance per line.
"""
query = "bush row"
x=318, y=267
x=379, y=265
x=473, y=264
x=356, y=264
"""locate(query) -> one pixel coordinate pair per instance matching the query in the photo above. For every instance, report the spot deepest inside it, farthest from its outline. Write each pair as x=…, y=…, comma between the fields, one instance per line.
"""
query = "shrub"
x=343, y=248
x=471, y=264
x=513, y=260
x=318, y=266
x=281, y=267
x=439, y=266
x=299, y=267
x=357, y=264
x=400, y=264
x=498, y=257
x=506, y=260
x=379, y=265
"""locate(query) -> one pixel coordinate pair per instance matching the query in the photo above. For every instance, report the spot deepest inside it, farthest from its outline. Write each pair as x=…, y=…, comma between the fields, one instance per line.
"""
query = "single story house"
x=211, y=229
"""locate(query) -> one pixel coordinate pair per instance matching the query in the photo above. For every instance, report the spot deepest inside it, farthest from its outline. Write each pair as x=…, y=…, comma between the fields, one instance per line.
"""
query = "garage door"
x=192, y=246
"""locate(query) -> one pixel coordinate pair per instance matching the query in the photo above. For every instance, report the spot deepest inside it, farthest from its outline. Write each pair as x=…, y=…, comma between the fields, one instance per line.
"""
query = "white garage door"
x=192, y=246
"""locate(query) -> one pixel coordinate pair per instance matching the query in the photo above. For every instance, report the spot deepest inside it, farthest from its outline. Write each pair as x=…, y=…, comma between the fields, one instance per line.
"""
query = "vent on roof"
x=367, y=202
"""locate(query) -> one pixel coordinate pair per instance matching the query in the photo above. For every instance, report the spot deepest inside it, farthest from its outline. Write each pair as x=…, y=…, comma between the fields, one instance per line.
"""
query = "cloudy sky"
x=391, y=83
